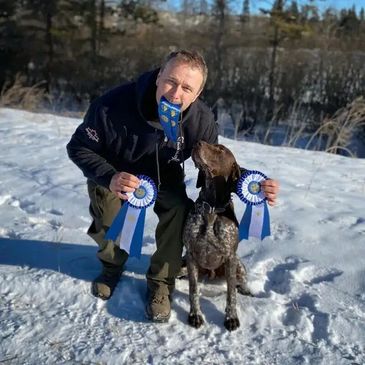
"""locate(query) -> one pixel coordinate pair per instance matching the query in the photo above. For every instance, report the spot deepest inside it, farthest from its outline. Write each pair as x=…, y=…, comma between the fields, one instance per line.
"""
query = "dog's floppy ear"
x=201, y=179
x=235, y=175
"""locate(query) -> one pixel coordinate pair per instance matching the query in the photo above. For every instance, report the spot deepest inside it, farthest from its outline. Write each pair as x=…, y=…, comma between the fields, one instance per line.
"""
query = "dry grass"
x=18, y=95
x=339, y=129
x=297, y=125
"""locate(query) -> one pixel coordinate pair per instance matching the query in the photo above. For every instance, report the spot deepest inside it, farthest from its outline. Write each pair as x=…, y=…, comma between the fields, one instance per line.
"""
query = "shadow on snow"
x=80, y=262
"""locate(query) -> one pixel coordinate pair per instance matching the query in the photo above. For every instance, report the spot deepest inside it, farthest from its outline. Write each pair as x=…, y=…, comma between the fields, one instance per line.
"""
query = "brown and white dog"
x=211, y=230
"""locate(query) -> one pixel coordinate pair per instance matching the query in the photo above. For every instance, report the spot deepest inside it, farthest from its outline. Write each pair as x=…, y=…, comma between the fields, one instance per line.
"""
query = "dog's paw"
x=243, y=290
x=195, y=320
x=231, y=323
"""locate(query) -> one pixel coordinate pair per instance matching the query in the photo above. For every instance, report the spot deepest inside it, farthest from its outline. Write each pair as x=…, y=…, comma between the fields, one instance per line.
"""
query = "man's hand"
x=270, y=188
x=122, y=183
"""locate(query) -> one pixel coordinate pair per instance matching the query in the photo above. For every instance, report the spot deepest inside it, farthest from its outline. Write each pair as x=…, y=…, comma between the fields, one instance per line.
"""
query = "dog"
x=210, y=233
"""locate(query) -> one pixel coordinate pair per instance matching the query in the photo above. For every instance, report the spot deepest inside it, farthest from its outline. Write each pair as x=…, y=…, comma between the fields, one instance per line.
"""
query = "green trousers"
x=172, y=206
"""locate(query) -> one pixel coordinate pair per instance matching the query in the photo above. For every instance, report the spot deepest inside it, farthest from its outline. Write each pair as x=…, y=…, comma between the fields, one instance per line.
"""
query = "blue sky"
x=322, y=4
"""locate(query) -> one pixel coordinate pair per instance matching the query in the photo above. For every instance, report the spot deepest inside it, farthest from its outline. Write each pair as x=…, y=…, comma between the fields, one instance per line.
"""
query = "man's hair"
x=192, y=58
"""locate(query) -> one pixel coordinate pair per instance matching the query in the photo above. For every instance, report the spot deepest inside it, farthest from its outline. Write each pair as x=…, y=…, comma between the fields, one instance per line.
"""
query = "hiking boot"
x=103, y=286
x=158, y=307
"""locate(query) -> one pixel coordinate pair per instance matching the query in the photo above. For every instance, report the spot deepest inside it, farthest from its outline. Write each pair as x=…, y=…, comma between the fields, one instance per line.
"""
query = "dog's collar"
x=203, y=207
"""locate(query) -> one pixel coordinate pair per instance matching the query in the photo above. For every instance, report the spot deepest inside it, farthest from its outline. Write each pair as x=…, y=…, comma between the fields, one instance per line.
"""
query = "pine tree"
x=140, y=10
x=203, y=7
x=284, y=27
x=362, y=15
x=246, y=11
x=41, y=13
x=10, y=39
x=349, y=23
x=45, y=26
x=310, y=13
x=294, y=10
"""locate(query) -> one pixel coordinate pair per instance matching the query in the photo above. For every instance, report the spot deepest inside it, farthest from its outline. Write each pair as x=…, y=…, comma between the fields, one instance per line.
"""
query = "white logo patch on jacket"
x=91, y=133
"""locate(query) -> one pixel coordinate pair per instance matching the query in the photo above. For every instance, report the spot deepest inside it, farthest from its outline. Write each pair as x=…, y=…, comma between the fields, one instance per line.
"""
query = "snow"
x=308, y=277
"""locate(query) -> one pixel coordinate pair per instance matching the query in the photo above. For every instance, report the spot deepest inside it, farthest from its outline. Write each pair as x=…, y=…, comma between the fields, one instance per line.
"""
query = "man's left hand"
x=271, y=189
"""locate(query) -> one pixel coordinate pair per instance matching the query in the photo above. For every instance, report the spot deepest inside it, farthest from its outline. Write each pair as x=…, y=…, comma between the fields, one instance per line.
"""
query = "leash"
x=175, y=158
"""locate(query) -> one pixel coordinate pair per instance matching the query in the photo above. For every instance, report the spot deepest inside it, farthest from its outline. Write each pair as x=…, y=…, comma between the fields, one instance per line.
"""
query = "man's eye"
x=187, y=89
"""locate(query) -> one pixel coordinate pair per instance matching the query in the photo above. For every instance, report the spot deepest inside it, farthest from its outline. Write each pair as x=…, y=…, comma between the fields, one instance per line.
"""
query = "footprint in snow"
x=280, y=277
x=27, y=206
x=345, y=221
x=55, y=212
x=282, y=232
x=315, y=275
x=304, y=315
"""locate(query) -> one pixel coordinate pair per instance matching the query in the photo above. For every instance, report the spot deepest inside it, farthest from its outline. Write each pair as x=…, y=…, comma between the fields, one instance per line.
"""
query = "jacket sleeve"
x=88, y=145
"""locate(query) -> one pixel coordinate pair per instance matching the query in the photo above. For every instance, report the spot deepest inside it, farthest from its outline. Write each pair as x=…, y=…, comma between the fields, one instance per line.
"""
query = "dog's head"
x=218, y=172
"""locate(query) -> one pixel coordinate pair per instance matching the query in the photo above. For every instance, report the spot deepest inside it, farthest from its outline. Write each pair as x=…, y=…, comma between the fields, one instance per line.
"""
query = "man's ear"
x=201, y=179
x=158, y=77
x=235, y=175
x=197, y=95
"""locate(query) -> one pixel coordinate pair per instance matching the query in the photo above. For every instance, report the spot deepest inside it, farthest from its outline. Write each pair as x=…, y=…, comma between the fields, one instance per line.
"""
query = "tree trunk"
x=101, y=24
x=221, y=7
x=272, y=74
x=93, y=28
x=49, y=43
x=276, y=14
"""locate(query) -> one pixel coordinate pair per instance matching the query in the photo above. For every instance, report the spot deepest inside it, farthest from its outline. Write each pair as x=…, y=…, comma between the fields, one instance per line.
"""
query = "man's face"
x=179, y=83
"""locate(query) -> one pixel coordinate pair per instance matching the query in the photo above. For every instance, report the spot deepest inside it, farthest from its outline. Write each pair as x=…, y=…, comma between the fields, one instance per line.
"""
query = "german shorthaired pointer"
x=211, y=230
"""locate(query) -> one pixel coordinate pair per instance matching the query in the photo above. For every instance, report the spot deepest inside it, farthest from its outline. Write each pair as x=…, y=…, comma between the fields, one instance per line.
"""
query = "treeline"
x=287, y=61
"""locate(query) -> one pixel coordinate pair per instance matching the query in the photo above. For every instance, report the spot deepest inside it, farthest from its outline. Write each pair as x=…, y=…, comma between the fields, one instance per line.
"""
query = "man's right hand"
x=122, y=183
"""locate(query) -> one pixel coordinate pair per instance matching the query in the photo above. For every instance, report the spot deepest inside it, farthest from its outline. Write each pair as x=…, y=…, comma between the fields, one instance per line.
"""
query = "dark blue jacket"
x=115, y=135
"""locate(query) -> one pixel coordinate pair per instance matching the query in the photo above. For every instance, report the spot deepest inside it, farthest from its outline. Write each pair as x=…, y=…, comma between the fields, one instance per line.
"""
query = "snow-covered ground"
x=308, y=278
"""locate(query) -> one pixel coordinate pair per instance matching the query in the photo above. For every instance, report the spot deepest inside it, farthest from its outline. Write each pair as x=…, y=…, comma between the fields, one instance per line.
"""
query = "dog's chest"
x=211, y=239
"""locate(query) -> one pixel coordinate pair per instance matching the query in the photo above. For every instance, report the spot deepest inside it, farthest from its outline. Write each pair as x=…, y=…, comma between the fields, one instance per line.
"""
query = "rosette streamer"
x=256, y=220
x=169, y=115
x=128, y=225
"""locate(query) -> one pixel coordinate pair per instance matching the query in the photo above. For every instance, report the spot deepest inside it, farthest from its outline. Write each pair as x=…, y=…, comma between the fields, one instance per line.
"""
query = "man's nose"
x=175, y=94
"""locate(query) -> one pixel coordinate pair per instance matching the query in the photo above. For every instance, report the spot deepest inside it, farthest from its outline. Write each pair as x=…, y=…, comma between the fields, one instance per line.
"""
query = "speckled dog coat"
x=211, y=230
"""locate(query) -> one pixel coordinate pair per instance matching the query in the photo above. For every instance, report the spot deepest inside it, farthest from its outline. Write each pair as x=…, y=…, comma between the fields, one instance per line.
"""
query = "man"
x=121, y=137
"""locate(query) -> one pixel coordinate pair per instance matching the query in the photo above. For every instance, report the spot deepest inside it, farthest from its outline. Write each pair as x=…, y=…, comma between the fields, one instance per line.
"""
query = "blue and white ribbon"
x=128, y=226
x=169, y=115
x=256, y=220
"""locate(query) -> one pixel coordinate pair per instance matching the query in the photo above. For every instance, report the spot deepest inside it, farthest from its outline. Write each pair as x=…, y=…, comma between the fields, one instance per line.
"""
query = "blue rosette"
x=256, y=220
x=128, y=226
x=145, y=195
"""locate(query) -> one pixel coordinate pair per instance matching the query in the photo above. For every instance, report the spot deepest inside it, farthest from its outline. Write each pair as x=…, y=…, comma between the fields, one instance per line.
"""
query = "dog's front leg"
x=242, y=279
x=195, y=316
x=231, y=321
